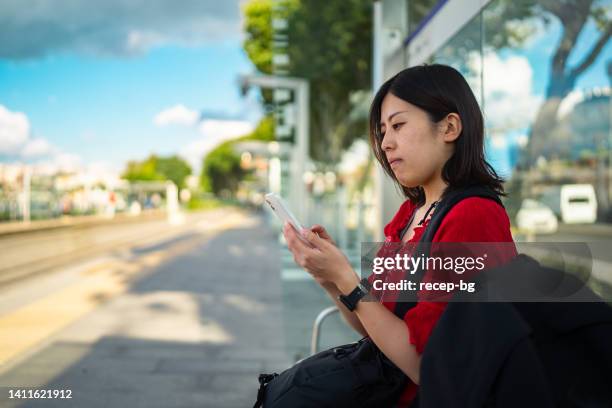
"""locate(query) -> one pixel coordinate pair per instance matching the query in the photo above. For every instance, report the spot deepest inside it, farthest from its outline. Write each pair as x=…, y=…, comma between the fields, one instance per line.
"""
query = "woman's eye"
x=396, y=126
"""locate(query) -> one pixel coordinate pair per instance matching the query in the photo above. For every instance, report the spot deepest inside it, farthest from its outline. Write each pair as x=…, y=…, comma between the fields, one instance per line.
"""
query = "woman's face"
x=414, y=146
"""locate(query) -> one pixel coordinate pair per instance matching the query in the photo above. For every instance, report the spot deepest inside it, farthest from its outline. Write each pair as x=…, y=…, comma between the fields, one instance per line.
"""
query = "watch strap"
x=361, y=290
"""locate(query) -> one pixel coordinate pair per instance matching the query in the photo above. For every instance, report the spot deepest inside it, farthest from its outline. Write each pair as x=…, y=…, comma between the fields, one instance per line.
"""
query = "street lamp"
x=300, y=155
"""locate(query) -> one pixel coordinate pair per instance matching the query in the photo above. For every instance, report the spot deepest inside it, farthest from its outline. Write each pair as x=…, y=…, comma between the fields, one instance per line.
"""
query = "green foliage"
x=142, y=171
x=203, y=203
x=329, y=45
x=263, y=132
x=156, y=168
x=221, y=169
x=258, y=30
x=258, y=39
x=174, y=168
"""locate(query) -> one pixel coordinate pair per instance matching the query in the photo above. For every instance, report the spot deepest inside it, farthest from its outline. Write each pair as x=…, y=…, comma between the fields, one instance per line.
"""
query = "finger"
x=290, y=237
x=315, y=240
x=297, y=242
x=319, y=229
x=293, y=238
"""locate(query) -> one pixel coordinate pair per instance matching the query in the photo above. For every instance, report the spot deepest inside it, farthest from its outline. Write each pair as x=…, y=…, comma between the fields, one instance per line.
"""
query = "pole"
x=300, y=153
x=27, y=181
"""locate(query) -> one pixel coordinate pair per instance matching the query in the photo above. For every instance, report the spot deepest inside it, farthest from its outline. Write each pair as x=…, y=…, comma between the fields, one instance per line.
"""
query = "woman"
x=426, y=130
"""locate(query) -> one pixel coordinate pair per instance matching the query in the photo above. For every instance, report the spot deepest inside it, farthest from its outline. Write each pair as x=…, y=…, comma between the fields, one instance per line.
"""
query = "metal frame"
x=316, y=328
x=300, y=154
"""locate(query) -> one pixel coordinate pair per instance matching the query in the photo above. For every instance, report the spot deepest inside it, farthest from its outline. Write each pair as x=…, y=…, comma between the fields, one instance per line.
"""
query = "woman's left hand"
x=323, y=260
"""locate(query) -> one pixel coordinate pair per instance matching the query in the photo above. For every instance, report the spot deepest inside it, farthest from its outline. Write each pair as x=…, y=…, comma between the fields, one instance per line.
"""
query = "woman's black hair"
x=439, y=90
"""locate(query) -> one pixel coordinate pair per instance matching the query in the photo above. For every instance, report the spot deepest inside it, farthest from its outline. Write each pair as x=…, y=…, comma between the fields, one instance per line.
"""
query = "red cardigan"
x=473, y=219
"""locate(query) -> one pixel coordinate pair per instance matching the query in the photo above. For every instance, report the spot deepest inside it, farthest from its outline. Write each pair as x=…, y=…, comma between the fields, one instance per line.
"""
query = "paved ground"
x=189, y=321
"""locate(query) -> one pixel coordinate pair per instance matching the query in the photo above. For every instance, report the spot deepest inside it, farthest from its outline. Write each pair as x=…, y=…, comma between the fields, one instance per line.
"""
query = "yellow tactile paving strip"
x=30, y=325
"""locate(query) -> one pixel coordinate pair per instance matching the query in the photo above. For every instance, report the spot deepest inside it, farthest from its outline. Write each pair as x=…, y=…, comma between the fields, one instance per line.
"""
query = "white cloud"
x=102, y=171
x=213, y=132
x=86, y=174
x=60, y=162
x=17, y=143
x=225, y=129
x=14, y=131
x=37, y=148
x=510, y=103
x=176, y=115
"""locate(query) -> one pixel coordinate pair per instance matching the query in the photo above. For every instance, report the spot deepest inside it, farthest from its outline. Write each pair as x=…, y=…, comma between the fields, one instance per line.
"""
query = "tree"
x=173, y=168
x=258, y=40
x=154, y=168
x=221, y=169
x=142, y=171
x=258, y=30
x=330, y=46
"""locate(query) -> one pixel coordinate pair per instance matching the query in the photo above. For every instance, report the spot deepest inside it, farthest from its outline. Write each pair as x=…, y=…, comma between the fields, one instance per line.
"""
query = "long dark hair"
x=440, y=90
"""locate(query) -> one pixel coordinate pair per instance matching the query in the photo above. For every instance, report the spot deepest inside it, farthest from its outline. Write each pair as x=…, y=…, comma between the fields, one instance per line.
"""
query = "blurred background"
x=138, y=266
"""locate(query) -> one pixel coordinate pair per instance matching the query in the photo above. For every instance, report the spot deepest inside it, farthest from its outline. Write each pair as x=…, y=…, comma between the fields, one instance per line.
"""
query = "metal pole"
x=300, y=154
x=27, y=180
x=316, y=329
x=377, y=81
x=302, y=147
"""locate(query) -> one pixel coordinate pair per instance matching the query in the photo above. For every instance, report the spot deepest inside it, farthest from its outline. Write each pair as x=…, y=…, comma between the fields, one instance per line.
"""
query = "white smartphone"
x=277, y=204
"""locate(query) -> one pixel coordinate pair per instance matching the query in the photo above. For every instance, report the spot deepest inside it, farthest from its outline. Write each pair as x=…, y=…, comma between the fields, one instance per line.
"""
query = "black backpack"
x=348, y=376
x=517, y=353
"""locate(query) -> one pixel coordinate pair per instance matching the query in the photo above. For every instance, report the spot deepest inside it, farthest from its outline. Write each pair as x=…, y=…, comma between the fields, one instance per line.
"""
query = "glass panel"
x=463, y=52
x=547, y=69
x=417, y=11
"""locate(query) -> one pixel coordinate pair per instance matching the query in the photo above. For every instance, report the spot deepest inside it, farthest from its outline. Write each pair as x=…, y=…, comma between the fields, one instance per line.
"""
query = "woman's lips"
x=395, y=162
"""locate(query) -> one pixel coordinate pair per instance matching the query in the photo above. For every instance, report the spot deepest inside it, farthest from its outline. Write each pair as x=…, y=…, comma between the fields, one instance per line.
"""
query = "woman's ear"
x=452, y=127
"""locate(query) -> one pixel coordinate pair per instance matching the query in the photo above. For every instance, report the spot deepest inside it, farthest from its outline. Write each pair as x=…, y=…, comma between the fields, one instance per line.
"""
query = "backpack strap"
x=264, y=379
x=448, y=201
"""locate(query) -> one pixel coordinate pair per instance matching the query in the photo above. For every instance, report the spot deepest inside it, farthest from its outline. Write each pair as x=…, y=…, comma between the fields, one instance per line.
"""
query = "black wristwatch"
x=350, y=300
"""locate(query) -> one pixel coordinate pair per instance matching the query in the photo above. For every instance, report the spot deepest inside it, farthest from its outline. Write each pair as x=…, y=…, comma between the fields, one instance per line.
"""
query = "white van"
x=578, y=203
x=572, y=203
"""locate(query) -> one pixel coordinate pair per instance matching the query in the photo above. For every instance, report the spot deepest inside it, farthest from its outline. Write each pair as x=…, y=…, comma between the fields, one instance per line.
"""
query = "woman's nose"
x=386, y=144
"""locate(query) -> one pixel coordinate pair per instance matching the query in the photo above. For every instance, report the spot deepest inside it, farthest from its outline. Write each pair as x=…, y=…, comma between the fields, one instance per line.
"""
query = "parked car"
x=536, y=217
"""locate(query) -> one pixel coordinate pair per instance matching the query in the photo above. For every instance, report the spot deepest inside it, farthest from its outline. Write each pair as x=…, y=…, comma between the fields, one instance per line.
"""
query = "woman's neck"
x=434, y=190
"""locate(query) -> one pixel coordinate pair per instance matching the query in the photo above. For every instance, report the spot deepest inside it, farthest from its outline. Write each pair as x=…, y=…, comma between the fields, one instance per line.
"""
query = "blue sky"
x=104, y=108
x=96, y=96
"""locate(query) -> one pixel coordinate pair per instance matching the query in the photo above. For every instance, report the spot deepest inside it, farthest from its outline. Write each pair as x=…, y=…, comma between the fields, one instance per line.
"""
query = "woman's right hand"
x=322, y=233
